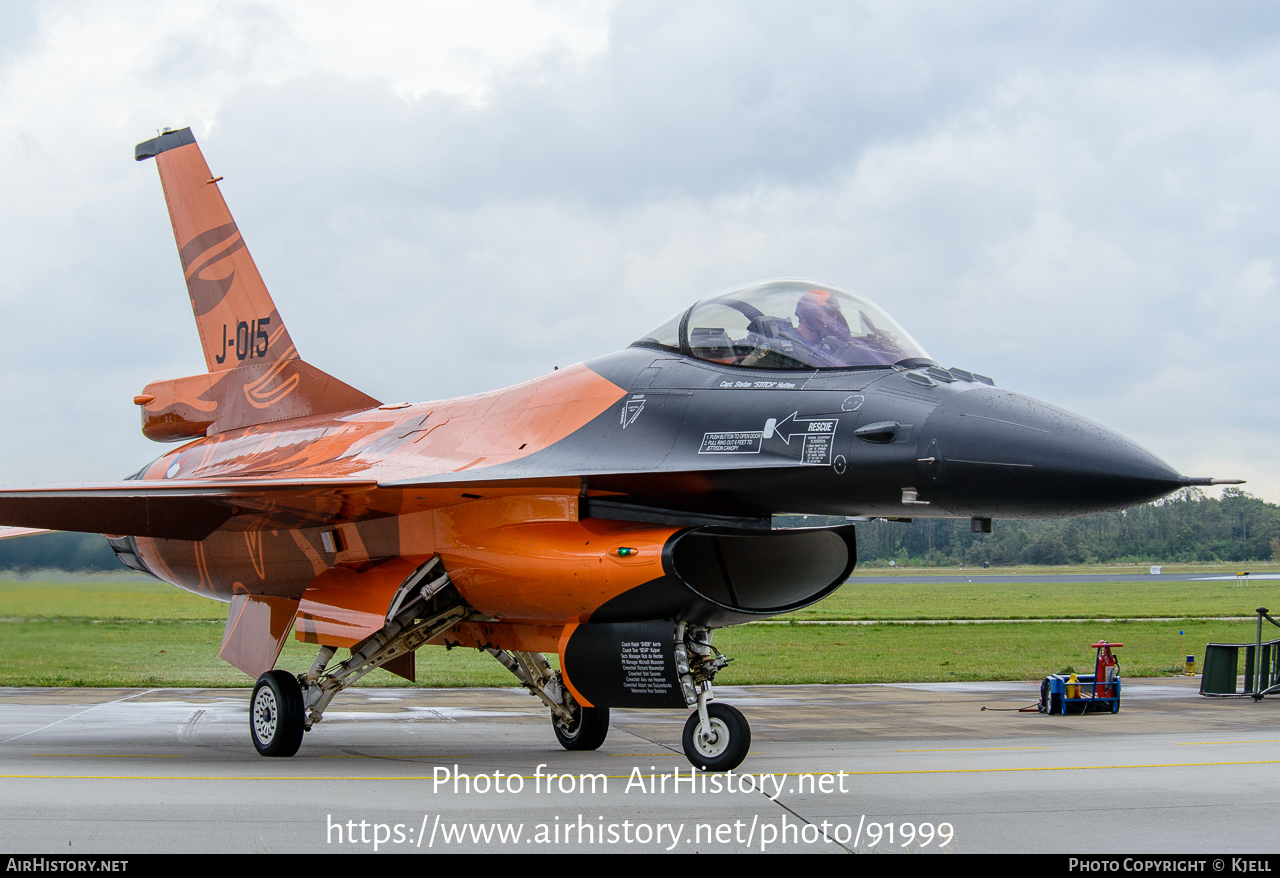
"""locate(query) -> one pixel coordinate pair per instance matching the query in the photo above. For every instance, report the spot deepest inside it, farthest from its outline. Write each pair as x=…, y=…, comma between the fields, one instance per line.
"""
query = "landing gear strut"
x=576, y=727
x=285, y=706
x=717, y=736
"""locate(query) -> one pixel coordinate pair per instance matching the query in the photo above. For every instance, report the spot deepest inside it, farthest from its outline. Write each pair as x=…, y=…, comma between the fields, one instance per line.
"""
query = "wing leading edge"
x=192, y=509
x=183, y=510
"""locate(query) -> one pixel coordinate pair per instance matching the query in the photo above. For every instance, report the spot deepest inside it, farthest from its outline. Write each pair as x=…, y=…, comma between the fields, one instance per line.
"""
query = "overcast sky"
x=1081, y=200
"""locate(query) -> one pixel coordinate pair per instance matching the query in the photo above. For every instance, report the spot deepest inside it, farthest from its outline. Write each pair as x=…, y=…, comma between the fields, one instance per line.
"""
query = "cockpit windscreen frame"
x=789, y=324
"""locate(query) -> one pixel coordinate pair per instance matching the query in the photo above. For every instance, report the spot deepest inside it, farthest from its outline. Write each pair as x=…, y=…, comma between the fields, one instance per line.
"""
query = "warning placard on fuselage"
x=743, y=442
x=812, y=439
x=816, y=450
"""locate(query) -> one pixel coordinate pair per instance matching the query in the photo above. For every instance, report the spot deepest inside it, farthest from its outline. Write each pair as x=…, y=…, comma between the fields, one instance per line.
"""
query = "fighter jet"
x=614, y=513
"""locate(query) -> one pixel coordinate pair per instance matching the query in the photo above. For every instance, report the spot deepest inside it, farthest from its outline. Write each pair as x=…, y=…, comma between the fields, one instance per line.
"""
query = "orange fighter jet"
x=615, y=512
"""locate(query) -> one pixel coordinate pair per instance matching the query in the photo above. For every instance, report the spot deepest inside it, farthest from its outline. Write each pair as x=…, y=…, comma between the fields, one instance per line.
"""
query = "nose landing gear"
x=719, y=741
x=717, y=736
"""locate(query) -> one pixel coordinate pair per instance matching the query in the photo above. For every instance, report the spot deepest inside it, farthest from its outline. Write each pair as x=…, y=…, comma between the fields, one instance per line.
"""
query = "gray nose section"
x=992, y=453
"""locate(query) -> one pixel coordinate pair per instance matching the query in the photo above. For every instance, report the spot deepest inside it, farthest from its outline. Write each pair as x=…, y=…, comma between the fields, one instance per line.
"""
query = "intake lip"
x=722, y=576
x=989, y=452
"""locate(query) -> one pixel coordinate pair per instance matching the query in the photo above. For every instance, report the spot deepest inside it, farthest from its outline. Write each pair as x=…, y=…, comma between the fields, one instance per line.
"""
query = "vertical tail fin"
x=255, y=373
x=237, y=321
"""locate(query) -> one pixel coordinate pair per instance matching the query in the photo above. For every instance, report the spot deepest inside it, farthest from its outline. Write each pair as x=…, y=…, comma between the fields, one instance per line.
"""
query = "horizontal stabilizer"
x=202, y=405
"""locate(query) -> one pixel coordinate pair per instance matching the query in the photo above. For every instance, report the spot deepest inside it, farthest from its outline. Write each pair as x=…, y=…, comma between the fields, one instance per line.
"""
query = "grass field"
x=118, y=630
x=906, y=599
x=1205, y=568
x=104, y=596
x=956, y=652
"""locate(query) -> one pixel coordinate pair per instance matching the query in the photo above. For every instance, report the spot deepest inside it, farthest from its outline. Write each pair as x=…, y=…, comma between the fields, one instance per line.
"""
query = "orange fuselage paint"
x=518, y=553
x=389, y=444
x=549, y=570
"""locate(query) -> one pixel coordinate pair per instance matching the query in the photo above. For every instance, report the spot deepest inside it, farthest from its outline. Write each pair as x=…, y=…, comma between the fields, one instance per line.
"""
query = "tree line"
x=1186, y=526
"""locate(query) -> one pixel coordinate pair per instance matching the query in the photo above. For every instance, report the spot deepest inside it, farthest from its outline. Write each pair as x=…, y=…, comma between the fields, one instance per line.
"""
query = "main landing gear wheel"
x=726, y=745
x=277, y=714
x=587, y=732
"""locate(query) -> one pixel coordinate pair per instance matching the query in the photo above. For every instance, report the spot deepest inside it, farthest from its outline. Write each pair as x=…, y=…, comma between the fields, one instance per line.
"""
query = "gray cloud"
x=1077, y=199
x=703, y=99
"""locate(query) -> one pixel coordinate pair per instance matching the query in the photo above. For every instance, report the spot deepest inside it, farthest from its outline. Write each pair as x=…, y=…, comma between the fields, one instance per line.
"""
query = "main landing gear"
x=716, y=737
x=283, y=706
x=277, y=717
x=576, y=727
x=586, y=731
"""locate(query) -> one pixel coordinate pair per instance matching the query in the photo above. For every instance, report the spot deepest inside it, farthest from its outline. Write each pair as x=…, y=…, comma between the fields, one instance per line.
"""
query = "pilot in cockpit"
x=821, y=326
x=788, y=324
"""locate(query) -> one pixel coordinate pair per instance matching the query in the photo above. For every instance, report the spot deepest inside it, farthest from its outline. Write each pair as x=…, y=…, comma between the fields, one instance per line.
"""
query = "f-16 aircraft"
x=613, y=513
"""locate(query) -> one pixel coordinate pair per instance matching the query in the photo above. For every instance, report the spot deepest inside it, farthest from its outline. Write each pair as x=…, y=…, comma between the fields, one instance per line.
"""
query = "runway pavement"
x=831, y=768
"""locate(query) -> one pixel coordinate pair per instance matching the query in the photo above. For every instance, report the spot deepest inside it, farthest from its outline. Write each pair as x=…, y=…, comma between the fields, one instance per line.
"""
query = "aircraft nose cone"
x=992, y=453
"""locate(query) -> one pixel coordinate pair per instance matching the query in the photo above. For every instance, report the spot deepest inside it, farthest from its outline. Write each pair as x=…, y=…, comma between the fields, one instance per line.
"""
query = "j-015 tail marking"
x=255, y=374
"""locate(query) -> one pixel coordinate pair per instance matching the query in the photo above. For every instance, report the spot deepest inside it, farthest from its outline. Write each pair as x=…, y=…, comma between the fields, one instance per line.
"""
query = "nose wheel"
x=277, y=716
x=722, y=743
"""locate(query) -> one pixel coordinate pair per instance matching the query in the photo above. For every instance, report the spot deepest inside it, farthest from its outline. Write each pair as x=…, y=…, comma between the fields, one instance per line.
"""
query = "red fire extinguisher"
x=1107, y=670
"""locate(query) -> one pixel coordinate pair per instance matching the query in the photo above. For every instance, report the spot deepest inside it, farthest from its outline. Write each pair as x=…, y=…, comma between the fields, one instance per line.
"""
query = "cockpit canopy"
x=788, y=324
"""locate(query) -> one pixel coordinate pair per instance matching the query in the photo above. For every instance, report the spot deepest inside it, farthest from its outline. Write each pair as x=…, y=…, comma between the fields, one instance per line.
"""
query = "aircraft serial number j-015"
x=614, y=513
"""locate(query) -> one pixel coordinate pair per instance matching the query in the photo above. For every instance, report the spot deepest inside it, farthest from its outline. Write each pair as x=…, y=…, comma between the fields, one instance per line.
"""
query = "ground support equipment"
x=1098, y=692
x=1220, y=677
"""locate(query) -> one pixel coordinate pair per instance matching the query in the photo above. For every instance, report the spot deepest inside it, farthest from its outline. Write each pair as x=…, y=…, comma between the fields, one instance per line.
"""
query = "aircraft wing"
x=687, y=497
x=191, y=509
x=8, y=533
x=181, y=509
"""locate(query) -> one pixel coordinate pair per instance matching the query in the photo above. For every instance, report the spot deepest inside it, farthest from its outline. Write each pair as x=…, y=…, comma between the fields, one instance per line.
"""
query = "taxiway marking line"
x=395, y=758
x=999, y=621
x=968, y=749
x=670, y=753
x=1058, y=768
x=78, y=713
x=625, y=776
x=112, y=755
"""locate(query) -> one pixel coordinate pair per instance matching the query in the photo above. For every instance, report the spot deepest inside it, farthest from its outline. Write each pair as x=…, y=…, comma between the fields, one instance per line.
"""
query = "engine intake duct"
x=721, y=576
x=763, y=573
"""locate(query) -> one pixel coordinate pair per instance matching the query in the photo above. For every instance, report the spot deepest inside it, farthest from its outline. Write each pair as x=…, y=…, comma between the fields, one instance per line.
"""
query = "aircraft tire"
x=588, y=733
x=277, y=714
x=727, y=749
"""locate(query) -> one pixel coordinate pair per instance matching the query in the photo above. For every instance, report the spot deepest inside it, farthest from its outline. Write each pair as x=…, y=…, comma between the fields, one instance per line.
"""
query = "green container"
x=1221, y=661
